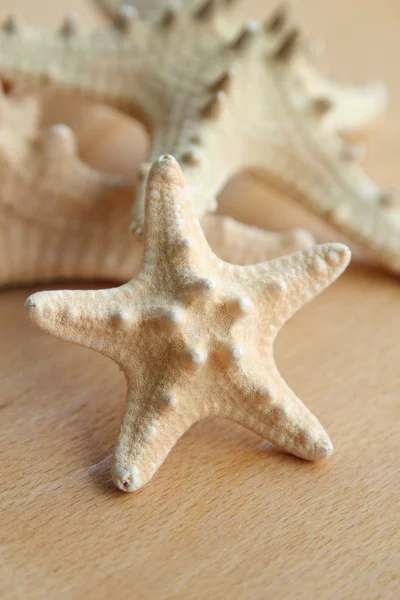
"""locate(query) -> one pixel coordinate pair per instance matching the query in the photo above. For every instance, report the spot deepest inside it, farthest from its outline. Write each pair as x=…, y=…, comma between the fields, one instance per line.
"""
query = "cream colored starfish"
x=223, y=96
x=61, y=219
x=194, y=334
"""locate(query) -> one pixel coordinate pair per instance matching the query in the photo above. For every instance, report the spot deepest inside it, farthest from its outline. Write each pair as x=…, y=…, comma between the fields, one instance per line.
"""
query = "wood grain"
x=227, y=516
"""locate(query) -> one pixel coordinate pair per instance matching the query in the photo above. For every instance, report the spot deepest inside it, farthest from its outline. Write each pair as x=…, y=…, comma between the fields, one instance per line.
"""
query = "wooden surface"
x=226, y=516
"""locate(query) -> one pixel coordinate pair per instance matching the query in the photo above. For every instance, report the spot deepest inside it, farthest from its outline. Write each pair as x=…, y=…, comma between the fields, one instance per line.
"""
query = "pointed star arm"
x=62, y=183
x=95, y=319
x=172, y=230
x=241, y=244
x=154, y=420
x=353, y=109
x=265, y=404
x=286, y=284
x=325, y=177
x=71, y=61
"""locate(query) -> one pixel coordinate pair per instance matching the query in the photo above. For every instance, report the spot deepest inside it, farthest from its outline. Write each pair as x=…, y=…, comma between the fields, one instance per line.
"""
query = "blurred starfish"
x=207, y=326
x=222, y=97
x=61, y=219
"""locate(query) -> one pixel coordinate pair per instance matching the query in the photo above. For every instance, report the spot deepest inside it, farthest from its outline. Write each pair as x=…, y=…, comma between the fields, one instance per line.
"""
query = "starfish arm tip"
x=34, y=305
x=127, y=478
x=338, y=255
x=165, y=174
x=321, y=450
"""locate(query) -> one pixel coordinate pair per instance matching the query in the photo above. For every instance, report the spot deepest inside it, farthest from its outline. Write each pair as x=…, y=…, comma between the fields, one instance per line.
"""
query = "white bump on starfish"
x=269, y=393
x=333, y=257
x=201, y=288
x=195, y=357
x=184, y=244
x=60, y=141
x=230, y=353
x=282, y=412
x=70, y=313
x=120, y=318
x=340, y=213
x=170, y=400
x=126, y=478
x=278, y=286
x=173, y=319
x=238, y=307
x=151, y=433
x=319, y=266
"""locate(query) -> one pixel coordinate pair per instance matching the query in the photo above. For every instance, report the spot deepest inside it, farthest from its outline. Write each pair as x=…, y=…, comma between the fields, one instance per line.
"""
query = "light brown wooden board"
x=226, y=516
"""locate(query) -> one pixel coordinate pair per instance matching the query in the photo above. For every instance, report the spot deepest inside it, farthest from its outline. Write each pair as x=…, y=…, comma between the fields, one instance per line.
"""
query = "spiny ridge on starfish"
x=61, y=219
x=194, y=335
x=150, y=10
x=224, y=96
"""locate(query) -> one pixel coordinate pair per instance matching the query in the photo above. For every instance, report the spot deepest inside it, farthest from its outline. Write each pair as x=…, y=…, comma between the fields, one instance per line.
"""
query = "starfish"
x=194, y=334
x=75, y=219
x=224, y=96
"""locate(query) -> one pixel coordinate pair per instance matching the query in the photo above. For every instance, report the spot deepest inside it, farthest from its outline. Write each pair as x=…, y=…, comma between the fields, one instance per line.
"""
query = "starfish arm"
x=155, y=418
x=69, y=215
x=72, y=61
x=195, y=143
x=356, y=109
x=286, y=284
x=172, y=230
x=95, y=319
x=48, y=164
x=325, y=177
x=271, y=409
x=241, y=244
x=353, y=110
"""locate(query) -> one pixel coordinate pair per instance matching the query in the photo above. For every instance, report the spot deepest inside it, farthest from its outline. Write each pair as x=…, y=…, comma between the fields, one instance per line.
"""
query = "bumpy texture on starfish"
x=61, y=219
x=150, y=10
x=194, y=335
x=223, y=97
